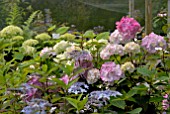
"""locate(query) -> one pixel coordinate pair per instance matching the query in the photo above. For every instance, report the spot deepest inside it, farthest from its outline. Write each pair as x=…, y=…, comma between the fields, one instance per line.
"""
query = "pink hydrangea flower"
x=165, y=102
x=116, y=37
x=110, y=72
x=47, y=51
x=128, y=27
x=153, y=41
x=65, y=79
x=111, y=49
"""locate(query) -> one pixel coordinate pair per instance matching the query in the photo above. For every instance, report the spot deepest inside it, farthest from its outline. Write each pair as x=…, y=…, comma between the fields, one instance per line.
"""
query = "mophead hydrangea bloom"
x=110, y=72
x=153, y=41
x=43, y=36
x=84, y=60
x=30, y=42
x=116, y=37
x=128, y=27
x=47, y=51
x=128, y=66
x=61, y=46
x=111, y=49
x=11, y=31
x=132, y=48
x=93, y=75
x=165, y=102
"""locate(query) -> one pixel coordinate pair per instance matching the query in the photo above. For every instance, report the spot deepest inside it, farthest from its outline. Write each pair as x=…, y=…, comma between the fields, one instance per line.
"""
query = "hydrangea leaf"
x=135, y=111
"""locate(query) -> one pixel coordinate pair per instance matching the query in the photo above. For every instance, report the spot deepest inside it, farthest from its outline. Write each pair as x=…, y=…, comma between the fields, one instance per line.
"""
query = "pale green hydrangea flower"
x=29, y=50
x=11, y=31
x=43, y=36
x=68, y=36
x=61, y=46
x=132, y=47
x=17, y=38
x=128, y=66
x=30, y=42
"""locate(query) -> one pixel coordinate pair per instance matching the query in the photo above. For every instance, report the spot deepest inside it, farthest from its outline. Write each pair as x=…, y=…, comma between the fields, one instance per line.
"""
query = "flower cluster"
x=100, y=98
x=43, y=37
x=128, y=27
x=61, y=46
x=116, y=37
x=78, y=87
x=47, y=51
x=128, y=66
x=165, y=102
x=110, y=72
x=11, y=31
x=36, y=106
x=132, y=48
x=153, y=41
x=111, y=49
x=93, y=75
x=83, y=60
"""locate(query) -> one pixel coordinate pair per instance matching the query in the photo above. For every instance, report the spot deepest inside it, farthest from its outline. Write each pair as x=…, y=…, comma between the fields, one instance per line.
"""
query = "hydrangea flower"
x=100, y=98
x=128, y=66
x=110, y=72
x=29, y=50
x=128, y=27
x=47, y=51
x=17, y=38
x=165, y=102
x=30, y=42
x=65, y=79
x=68, y=36
x=78, y=87
x=83, y=60
x=36, y=106
x=93, y=75
x=61, y=46
x=116, y=37
x=153, y=41
x=43, y=36
x=11, y=31
x=132, y=47
x=111, y=49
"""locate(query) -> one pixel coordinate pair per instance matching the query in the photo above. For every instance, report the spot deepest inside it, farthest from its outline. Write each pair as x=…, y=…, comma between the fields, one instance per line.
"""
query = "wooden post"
x=131, y=8
x=148, y=17
x=168, y=16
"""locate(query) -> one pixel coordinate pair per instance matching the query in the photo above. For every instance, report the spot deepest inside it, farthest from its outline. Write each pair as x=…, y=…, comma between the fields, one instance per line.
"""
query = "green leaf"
x=62, y=30
x=60, y=82
x=44, y=68
x=118, y=103
x=51, y=28
x=156, y=99
x=89, y=34
x=104, y=35
x=18, y=56
x=130, y=93
x=82, y=103
x=135, y=111
x=73, y=102
x=145, y=71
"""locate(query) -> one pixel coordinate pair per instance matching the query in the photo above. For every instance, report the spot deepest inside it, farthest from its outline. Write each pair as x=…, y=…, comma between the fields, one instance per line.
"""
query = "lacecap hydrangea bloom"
x=128, y=66
x=111, y=49
x=153, y=41
x=92, y=76
x=128, y=27
x=132, y=48
x=110, y=72
x=43, y=36
x=11, y=31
